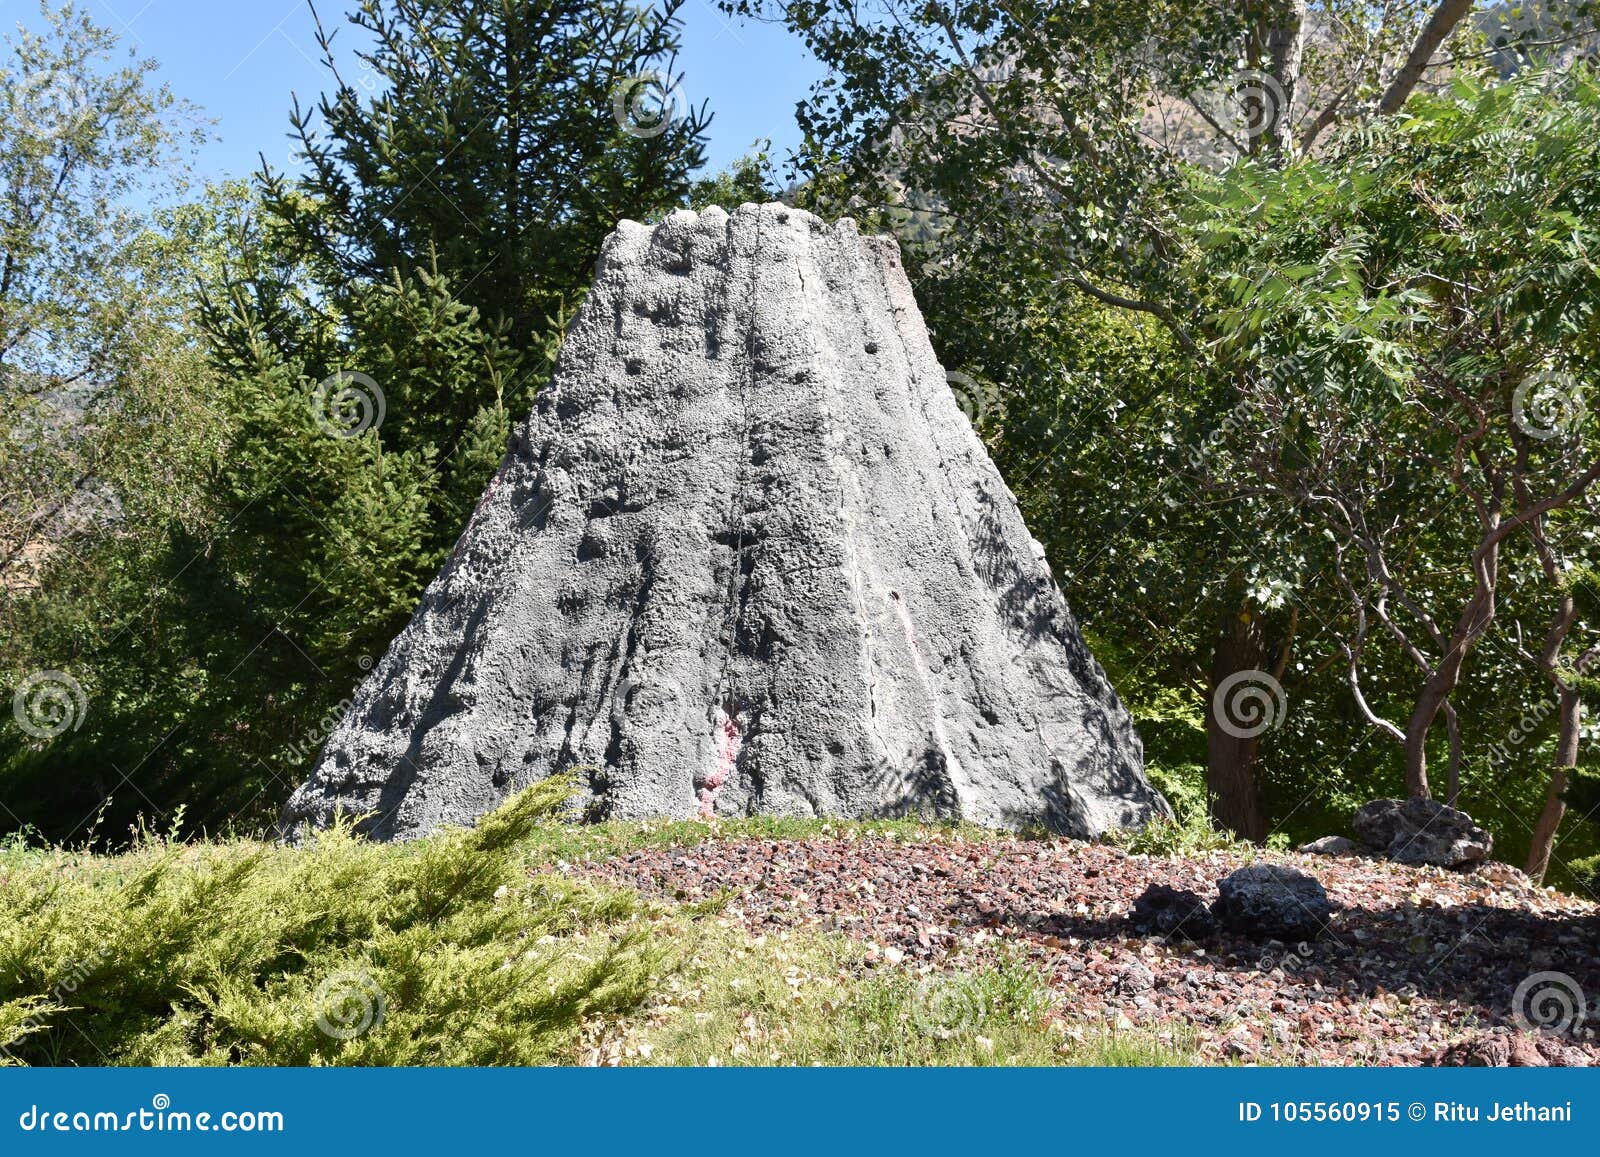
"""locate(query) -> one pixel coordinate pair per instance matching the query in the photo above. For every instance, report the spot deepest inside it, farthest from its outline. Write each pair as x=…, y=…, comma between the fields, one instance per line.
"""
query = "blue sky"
x=241, y=61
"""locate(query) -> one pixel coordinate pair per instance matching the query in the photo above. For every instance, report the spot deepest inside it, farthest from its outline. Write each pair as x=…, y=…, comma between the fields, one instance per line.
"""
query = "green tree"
x=750, y=179
x=494, y=141
x=1052, y=149
x=76, y=318
x=106, y=409
x=369, y=331
x=1423, y=296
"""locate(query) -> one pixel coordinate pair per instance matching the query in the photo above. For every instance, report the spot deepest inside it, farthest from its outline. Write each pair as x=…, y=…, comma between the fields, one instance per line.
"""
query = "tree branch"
x=1439, y=26
x=1107, y=297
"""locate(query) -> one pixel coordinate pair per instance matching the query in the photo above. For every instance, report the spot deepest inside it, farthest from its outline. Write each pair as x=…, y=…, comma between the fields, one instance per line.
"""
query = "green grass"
x=574, y=843
x=810, y=999
x=1180, y=837
x=466, y=949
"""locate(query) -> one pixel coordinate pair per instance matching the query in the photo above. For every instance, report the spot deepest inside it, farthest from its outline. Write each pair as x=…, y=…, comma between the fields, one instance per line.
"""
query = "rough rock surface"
x=1272, y=901
x=1172, y=912
x=747, y=555
x=1502, y=1048
x=1423, y=831
x=1416, y=959
x=1332, y=846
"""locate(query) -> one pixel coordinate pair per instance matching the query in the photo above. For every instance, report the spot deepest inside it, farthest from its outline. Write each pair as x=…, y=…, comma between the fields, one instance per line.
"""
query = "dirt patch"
x=1416, y=959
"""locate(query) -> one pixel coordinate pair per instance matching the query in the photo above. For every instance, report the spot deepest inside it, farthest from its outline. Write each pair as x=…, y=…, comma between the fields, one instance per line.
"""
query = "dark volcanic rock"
x=1135, y=977
x=1423, y=831
x=747, y=556
x=1172, y=912
x=1272, y=901
x=1332, y=846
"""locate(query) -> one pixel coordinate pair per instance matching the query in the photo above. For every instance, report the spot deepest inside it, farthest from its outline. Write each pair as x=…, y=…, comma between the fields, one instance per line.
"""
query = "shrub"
x=341, y=952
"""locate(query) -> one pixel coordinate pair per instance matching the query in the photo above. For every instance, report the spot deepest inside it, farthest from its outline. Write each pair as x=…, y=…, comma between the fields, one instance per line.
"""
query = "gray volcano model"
x=747, y=556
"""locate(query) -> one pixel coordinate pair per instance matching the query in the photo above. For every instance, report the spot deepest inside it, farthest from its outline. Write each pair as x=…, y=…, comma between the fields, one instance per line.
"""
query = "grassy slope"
x=466, y=949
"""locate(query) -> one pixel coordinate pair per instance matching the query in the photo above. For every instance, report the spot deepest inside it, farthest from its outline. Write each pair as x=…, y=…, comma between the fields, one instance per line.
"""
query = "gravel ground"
x=1419, y=966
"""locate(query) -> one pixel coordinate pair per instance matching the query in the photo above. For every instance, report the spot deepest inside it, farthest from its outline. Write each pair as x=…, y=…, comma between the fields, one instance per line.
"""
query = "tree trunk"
x=1416, y=747
x=1446, y=674
x=1231, y=793
x=1555, y=807
x=1282, y=39
x=1453, y=772
x=1569, y=704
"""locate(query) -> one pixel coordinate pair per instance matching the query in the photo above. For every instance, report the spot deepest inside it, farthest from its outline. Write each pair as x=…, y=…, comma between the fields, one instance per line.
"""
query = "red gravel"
x=1416, y=960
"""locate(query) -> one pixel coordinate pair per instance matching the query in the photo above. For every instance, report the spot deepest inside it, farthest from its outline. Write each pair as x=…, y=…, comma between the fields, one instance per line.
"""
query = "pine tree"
x=495, y=141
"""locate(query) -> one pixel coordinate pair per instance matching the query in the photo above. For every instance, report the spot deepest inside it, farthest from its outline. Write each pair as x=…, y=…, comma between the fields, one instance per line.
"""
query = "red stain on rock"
x=729, y=740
